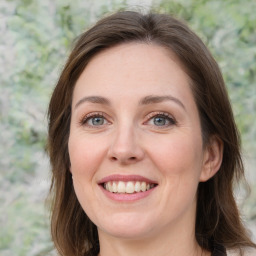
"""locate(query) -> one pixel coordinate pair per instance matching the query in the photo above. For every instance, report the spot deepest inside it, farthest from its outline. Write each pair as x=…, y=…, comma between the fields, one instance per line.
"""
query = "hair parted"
x=218, y=219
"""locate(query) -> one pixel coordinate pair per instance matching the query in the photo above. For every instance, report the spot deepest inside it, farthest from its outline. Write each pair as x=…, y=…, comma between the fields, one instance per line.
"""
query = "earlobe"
x=212, y=158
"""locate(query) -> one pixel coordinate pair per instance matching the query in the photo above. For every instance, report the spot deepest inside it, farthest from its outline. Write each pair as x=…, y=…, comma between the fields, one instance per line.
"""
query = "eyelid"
x=155, y=113
x=161, y=113
x=85, y=118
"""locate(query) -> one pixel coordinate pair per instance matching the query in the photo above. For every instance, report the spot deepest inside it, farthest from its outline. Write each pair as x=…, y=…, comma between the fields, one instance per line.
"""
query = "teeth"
x=114, y=186
x=143, y=186
x=110, y=187
x=127, y=187
x=120, y=187
x=137, y=186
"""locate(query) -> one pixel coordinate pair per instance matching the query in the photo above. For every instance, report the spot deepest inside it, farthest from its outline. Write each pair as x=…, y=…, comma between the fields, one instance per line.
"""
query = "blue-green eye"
x=94, y=120
x=161, y=120
x=97, y=120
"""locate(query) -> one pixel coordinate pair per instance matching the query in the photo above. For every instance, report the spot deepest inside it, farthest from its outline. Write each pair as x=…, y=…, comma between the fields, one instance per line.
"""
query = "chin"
x=127, y=233
x=127, y=227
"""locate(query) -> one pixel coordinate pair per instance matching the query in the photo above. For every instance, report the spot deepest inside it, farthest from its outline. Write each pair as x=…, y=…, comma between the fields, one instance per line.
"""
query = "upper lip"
x=119, y=177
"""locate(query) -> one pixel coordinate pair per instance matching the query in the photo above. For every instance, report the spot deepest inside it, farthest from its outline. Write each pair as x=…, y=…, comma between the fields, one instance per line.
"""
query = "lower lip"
x=125, y=197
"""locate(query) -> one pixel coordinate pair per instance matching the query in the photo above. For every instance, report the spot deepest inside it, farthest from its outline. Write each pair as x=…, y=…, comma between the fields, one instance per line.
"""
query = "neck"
x=149, y=248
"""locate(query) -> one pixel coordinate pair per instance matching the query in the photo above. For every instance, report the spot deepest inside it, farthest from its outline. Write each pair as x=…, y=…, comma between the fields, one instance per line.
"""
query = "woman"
x=143, y=144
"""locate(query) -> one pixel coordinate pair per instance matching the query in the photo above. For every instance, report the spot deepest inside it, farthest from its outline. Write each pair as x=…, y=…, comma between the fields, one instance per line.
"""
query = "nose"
x=125, y=148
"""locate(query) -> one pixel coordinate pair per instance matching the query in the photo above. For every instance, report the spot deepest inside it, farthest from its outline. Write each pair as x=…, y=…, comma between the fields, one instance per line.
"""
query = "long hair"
x=217, y=217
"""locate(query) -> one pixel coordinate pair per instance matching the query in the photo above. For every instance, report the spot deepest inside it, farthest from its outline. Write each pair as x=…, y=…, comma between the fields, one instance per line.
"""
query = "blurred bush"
x=228, y=29
x=36, y=39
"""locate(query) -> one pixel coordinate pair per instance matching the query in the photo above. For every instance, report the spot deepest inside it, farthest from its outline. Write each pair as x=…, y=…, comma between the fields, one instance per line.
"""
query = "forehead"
x=133, y=69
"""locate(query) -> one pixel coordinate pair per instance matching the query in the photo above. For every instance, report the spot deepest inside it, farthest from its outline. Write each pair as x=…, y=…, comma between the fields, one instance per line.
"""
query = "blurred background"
x=36, y=38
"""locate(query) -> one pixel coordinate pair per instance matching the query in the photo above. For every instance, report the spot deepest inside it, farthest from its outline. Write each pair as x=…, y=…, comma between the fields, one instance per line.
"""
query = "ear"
x=213, y=154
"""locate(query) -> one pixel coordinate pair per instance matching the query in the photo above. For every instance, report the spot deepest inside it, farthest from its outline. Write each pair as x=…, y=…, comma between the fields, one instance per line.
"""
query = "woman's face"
x=135, y=142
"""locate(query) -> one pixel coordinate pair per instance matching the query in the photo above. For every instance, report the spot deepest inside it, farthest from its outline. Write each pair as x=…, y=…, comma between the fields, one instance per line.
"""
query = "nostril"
x=129, y=159
x=113, y=158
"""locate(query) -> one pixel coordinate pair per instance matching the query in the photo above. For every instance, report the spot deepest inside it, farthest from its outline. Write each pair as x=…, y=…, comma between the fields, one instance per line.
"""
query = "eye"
x=161, y=120
x=94, y=120
x=98, y=120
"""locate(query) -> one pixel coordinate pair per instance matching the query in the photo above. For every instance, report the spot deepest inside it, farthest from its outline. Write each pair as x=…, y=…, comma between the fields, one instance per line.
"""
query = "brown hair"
x=218, y=219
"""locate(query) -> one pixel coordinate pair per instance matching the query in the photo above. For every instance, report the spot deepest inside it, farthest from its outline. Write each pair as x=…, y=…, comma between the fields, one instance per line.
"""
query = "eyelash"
x=165, y=115
x=85, y=119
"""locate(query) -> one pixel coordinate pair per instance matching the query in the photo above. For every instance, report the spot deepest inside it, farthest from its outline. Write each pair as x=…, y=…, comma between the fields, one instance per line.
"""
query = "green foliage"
x=228, y=28
x=37, y=38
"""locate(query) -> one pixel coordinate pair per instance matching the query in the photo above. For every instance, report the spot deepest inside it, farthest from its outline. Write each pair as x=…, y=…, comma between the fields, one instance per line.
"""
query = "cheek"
x=179, y=163
x=178, y=152
x=179, y=156
x=85, y=155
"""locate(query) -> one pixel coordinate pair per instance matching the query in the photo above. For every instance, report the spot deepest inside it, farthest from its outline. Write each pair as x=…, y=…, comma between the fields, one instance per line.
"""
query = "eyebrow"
x=93, y=99
x=153, y=99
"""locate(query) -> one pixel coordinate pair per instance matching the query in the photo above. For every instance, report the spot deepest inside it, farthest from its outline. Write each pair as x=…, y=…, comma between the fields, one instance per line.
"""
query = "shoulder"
x=247, y=252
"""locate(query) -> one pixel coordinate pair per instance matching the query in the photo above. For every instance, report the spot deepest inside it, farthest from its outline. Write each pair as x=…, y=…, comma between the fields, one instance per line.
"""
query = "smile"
x=128, y=187
x=120, y=187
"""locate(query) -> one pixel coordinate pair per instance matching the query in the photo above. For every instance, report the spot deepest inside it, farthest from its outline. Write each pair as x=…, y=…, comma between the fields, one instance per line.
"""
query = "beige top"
x=247, y=252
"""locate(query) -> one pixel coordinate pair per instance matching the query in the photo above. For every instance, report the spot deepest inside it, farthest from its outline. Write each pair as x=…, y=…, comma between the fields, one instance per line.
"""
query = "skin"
x=127, y=141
